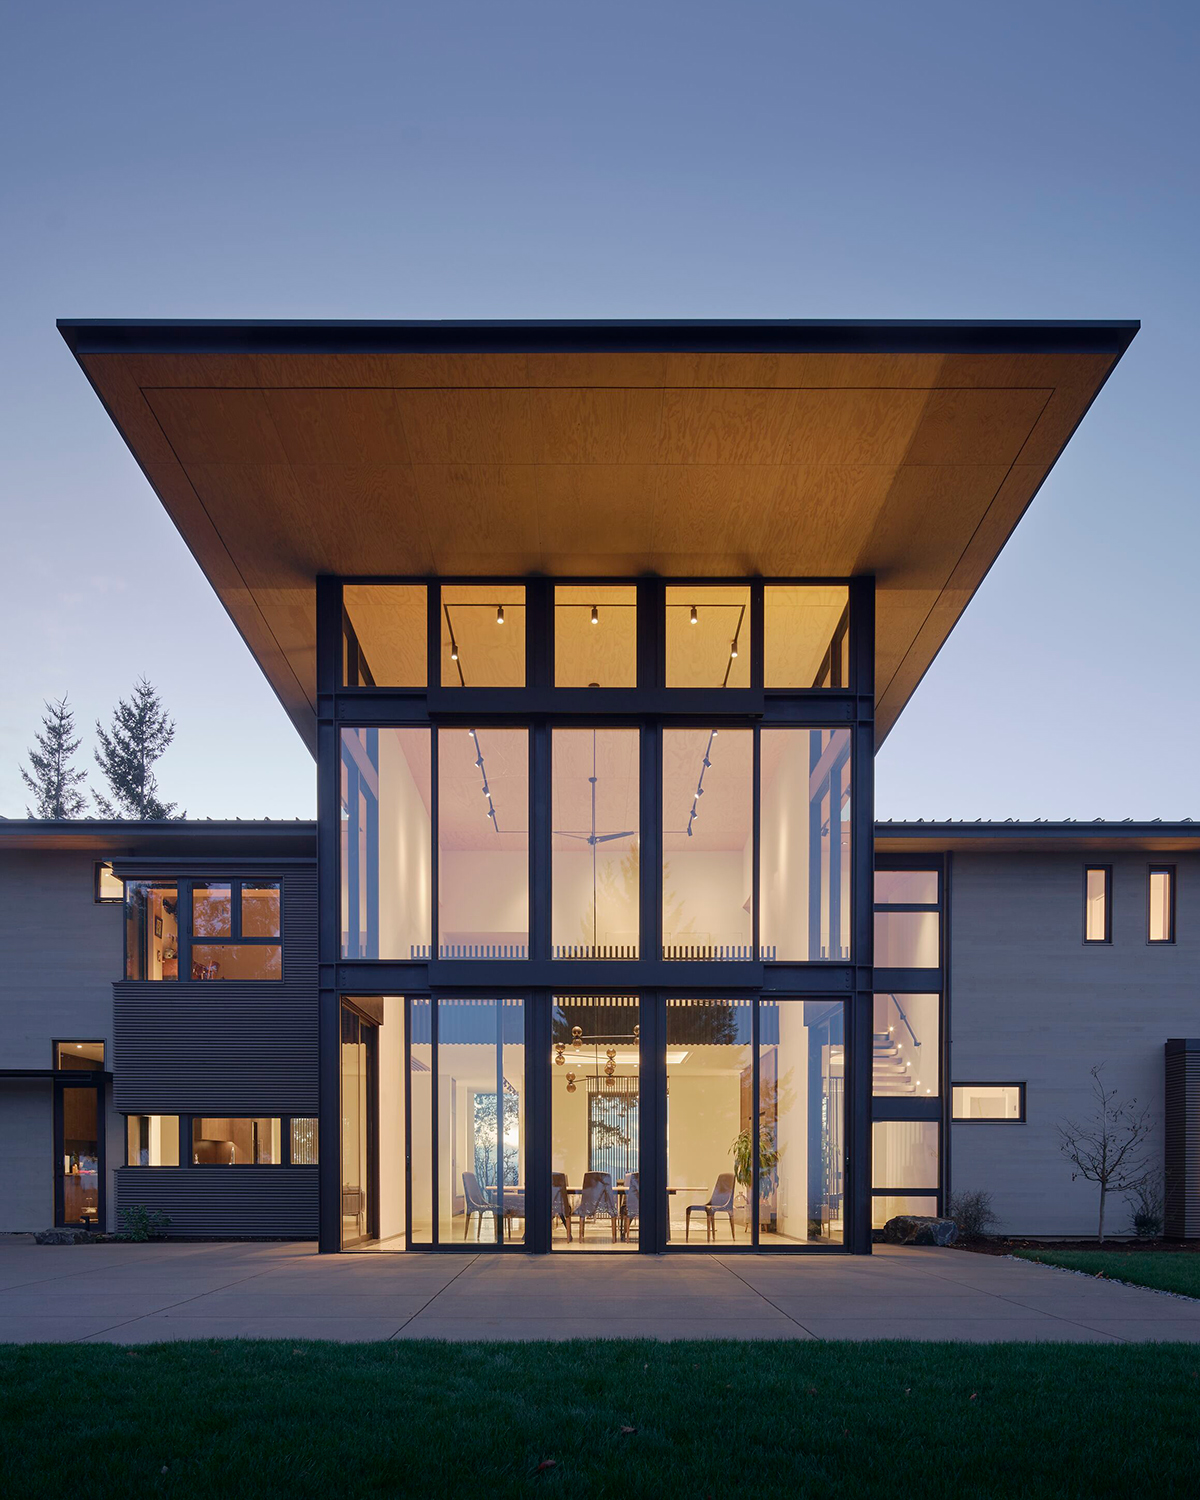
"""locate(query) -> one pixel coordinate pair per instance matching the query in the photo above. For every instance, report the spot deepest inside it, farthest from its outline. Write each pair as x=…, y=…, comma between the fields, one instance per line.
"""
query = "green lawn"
x=1168, y=1271
x=233, y=1419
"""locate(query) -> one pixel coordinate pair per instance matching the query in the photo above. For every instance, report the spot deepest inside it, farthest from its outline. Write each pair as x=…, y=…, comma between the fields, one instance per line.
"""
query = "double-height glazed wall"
x=542, y=800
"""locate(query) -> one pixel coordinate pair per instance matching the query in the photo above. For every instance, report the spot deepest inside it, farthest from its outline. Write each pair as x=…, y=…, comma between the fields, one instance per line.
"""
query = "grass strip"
x=587, y=1418
x=1165, y=1272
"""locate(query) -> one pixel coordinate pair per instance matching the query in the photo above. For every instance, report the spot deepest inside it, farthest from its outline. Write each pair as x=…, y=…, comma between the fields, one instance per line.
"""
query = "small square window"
x=384, y=632
x=708, y=637
x=807, y=639
x=483, y=635
x=107, y=888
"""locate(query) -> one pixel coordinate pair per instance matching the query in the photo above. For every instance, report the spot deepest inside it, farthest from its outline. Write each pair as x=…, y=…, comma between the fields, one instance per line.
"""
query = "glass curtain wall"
x=595, y=848
x=467, y=1121
x=595, y=1079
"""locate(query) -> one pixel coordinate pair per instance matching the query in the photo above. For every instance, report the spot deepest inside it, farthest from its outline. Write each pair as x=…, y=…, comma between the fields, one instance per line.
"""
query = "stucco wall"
x=1030, y=1003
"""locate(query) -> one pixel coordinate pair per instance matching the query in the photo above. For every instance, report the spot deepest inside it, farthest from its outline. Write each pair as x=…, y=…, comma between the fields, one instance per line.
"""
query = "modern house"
x=593, y=630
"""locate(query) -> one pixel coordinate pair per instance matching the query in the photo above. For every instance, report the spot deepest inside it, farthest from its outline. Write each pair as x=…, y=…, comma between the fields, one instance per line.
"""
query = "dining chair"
x=476, y=1203
x=720, y=1201
x=597, y=1201
x=632, y=1203
x=560, y=1203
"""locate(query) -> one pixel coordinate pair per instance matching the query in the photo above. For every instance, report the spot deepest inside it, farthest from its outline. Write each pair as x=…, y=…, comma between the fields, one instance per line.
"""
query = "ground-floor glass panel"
x=595, y=1142
x=358, y=1058
x=420, y=1126
x=904, y=1155
x=79, y=1160
x=801, y=1089
x=480, y=1121
x=710, y=1121
x=905, y=1046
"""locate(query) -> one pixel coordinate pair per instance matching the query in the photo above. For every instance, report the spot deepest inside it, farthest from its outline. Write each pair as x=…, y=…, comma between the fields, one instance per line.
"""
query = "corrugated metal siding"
x=280, y=1201
x=1182, y=1100
x=225, y=1048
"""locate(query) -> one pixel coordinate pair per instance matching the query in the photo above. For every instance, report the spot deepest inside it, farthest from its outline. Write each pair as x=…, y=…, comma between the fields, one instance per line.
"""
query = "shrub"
x=973, y=1213
x=1146, y=1208
x=141, y=1223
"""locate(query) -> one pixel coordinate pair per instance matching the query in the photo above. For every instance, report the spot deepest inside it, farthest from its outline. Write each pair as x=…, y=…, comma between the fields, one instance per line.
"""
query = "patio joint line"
x=470, y=1262
x=183, y=1301
x=769, y=1303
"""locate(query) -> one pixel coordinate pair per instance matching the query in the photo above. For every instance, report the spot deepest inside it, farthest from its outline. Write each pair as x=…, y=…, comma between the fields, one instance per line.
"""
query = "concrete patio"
x=135, y=1294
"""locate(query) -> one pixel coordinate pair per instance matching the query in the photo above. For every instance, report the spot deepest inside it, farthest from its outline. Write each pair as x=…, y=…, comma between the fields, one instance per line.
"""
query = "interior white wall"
x=405, y=864
x=484, y=896
x=792, y=1123
x=785, y=836
x=703, y=1120
x=391, y=1119
x=616, y=898
x=704, y=898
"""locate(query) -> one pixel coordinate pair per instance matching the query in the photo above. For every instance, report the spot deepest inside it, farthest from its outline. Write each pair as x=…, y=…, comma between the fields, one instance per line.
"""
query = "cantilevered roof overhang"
x=907, y=450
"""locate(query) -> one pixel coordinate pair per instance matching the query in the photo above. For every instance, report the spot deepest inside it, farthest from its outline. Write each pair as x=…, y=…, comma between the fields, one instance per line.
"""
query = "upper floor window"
x=1097, y=904
x=235, y=931
x=1162, y=904
x=907, y=919
x=595, y=636
x=807, y=629
x=483, y=635
x=106, y=886
x=708, y=636
x=221, y=929
x=384, y=631
x=706, y=632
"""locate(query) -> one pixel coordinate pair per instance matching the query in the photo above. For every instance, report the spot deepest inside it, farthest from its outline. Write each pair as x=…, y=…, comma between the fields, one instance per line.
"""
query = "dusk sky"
x=655, y=160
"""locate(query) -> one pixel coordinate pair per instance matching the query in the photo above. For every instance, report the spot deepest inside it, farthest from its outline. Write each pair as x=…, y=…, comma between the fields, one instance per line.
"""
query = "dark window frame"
x=987, y=1083
x=1171, y=872
x=97, y=898
x=1106, y=940
x=184, y=887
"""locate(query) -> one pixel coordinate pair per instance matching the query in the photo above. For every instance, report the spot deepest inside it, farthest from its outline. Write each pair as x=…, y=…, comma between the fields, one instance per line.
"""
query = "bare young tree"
x=1111, y=1148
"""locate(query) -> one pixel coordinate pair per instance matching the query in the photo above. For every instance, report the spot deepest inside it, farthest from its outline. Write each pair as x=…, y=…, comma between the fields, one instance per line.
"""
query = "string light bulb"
x=499, y=614
x=595, y=615
x=694, y=617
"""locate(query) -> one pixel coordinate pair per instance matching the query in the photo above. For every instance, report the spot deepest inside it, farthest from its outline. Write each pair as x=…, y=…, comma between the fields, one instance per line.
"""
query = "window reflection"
x=151, y=930
x=595, y=846
x=904, y=1154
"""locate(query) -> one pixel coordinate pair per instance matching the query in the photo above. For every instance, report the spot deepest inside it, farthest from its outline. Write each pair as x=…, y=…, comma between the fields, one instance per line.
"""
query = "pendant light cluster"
x=704, y=765
x=487, y=790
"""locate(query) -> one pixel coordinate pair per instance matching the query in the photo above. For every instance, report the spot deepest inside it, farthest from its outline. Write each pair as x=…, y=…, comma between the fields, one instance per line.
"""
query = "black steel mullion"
x=435, y=837
x=501, y=1162
x=434, y=1238
x=538, y=1154
x=329, y=1021
x=756, y=844
x=755, y=1125
x=406, y=1064
x=541, y=856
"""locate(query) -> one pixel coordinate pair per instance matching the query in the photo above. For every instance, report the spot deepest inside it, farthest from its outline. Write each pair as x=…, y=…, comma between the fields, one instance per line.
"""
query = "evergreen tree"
x=139, y=733
x=58, y=789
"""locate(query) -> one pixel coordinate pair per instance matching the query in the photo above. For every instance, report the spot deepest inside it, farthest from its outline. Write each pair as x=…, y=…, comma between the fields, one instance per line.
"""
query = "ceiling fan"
x=594, y=839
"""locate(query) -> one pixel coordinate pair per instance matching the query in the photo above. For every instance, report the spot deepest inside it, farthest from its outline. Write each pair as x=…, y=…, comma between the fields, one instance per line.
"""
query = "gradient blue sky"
x=651, y=160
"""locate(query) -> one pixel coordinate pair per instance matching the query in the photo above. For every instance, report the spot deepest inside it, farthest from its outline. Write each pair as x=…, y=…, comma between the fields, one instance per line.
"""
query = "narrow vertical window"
x=1162, y=904
x=1097, y=904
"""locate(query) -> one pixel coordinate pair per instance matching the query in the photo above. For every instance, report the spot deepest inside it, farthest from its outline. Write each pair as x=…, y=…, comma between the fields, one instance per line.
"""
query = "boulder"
x=62, y=1237
x=917, y=1229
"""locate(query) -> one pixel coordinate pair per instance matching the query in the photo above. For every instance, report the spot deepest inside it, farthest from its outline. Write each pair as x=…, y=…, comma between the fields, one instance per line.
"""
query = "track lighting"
x=733, y=648
x=453, y=649
x=499, y=614
x=595, y=615
x=694, y=619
